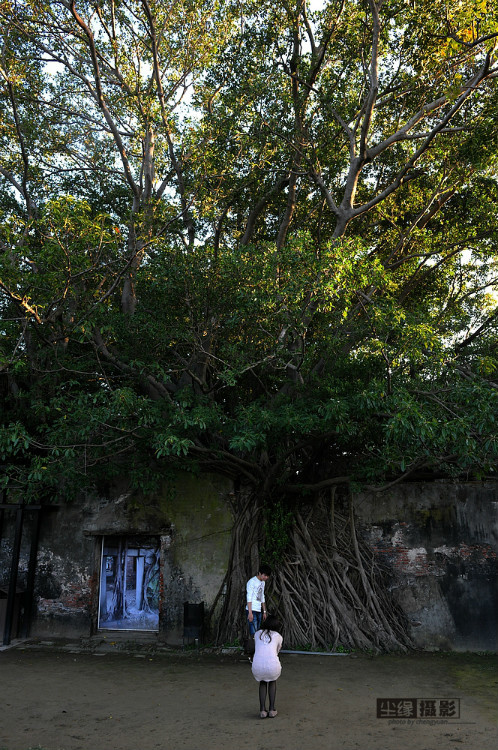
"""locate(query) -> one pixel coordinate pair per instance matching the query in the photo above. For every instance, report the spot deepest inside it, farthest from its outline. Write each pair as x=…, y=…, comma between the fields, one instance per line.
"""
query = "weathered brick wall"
x=439, y=544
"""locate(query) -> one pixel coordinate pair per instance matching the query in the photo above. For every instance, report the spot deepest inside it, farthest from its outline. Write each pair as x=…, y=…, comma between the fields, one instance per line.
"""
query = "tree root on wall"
x=328, y=588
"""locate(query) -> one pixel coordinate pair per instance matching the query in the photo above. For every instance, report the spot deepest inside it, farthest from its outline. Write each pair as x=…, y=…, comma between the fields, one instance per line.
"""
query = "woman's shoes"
x=264, y=714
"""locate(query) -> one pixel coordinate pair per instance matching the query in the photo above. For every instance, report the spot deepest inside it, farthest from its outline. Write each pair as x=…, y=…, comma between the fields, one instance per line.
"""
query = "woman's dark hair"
x=272, y=622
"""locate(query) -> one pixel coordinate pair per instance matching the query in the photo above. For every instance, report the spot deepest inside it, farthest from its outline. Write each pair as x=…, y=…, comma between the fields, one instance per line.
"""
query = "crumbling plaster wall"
x=191, y=519
x=439, y=544
x=197, y=559
x=64, y=569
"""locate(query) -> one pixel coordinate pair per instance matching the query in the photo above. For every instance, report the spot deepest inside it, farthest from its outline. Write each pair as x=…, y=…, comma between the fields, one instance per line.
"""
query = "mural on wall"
x=129, y=583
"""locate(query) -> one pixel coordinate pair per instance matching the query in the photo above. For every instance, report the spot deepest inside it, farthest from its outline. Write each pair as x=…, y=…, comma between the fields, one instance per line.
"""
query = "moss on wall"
x=201, y=525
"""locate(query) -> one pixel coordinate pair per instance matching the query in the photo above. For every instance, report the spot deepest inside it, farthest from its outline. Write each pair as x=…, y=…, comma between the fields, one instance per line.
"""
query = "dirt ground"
x=195, y=701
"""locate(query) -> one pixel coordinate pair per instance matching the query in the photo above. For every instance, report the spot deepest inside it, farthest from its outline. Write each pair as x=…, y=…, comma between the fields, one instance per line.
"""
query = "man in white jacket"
x=255, y=599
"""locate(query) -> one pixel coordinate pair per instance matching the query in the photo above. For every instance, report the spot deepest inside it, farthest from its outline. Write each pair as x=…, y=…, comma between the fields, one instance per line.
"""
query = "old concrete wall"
x=65, y=575
x=191, y=521
x=64, y=571
x=439, y=543
x=198, y=556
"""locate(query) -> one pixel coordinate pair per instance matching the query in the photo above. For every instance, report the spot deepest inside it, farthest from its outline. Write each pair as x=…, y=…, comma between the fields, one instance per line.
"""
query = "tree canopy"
x=257, y=238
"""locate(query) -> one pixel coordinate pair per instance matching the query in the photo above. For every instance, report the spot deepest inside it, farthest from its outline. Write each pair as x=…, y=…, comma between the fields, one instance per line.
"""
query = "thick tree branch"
x=100, y=98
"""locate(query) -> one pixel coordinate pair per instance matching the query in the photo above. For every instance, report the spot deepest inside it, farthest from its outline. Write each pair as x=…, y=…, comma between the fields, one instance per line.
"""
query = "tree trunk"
x=247, y=536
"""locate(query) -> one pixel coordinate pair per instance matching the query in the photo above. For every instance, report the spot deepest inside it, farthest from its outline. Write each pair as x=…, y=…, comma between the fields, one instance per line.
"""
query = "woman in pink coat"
x=266, y=667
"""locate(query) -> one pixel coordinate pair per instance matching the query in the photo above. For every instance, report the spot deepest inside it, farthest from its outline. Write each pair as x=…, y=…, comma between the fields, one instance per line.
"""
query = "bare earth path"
x=117, y=701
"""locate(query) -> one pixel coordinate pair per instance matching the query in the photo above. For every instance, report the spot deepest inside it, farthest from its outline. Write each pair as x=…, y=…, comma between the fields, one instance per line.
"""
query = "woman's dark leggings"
x=271, y=688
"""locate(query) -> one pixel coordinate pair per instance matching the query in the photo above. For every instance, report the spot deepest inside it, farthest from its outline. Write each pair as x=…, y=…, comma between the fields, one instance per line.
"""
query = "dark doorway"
x=16, y=594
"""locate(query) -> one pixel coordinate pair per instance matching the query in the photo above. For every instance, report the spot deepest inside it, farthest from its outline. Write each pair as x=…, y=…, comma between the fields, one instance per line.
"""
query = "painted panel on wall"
x=129, y=583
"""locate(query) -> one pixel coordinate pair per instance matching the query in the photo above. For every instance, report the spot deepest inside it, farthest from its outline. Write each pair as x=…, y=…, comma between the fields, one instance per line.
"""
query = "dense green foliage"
x=250, y=238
